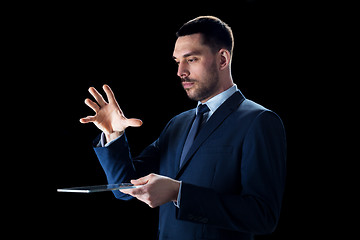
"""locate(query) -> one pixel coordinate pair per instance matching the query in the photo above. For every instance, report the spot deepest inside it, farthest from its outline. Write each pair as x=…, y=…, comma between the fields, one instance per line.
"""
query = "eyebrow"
x=188, y=54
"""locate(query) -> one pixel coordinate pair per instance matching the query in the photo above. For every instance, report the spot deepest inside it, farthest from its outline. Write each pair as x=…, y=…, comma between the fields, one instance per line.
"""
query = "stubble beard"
x=204, y=89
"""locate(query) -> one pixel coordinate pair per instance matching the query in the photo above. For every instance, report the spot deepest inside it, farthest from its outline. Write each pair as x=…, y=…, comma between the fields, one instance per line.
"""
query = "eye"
x=191, y=60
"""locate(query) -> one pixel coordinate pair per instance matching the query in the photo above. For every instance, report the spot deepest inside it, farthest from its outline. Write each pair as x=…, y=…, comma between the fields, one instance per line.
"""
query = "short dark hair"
x=216, y=33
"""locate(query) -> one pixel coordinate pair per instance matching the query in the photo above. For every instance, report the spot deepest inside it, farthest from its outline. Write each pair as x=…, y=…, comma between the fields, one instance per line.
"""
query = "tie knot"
x=203, y=108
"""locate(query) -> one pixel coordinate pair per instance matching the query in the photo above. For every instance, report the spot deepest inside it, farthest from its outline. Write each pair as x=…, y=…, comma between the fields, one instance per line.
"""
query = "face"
x=197, y=67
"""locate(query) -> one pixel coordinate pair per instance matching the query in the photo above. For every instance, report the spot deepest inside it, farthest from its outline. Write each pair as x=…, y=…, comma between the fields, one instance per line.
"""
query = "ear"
x=225, y=58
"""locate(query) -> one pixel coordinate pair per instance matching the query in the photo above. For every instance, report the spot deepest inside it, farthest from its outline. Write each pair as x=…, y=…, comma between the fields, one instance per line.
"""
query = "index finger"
x=133, y=191
x=109, y=94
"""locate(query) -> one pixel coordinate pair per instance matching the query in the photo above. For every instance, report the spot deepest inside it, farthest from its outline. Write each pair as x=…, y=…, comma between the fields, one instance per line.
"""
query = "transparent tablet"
x=98, y=188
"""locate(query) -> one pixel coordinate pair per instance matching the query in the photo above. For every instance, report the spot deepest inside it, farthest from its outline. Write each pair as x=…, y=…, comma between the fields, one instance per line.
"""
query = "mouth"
x=187, y=84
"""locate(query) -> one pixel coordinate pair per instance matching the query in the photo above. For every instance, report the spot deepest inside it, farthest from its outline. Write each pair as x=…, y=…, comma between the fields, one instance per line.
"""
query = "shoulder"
x=253, y=112
x=249, y=106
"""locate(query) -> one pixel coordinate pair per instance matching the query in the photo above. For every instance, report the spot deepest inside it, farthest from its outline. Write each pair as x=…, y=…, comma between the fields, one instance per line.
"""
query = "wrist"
x=112, y=136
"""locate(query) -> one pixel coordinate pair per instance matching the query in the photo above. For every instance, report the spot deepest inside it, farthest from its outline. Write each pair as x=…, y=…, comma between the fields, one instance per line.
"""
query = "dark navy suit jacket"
x=233, y=176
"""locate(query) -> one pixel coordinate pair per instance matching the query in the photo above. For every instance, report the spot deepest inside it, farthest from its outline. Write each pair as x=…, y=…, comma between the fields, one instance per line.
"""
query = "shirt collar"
x=215, y=102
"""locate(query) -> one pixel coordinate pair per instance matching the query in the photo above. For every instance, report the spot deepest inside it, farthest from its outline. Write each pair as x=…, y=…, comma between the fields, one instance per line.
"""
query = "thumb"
x=133, y=122
x=141, y=181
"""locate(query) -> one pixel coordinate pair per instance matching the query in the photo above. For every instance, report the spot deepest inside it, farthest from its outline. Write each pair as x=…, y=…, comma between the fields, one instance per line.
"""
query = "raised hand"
x=108, y=117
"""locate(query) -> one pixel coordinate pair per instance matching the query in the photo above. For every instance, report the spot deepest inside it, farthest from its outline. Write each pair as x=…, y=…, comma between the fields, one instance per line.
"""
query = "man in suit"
x=217, y=171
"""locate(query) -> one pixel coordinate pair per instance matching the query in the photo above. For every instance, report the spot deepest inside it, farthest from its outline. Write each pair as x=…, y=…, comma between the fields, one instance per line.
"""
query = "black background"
x=67, y=48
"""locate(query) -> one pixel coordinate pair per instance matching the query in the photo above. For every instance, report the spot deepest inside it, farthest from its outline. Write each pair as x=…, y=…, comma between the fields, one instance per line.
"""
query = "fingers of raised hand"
x=109, y=94
x=92, y=105
x=100, y=100
x=88, y=119
x=133, y=122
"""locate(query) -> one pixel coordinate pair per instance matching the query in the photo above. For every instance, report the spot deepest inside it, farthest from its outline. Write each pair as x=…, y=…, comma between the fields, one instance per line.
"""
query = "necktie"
x=202, y=108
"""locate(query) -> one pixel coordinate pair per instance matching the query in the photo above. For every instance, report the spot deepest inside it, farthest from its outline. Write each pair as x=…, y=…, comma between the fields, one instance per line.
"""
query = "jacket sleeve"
x=256, y=208
x=119, y=166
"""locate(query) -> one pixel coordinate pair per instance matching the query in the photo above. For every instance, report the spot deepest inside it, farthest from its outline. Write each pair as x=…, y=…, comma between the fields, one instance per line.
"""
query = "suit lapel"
x=187, y=122
x=215, y=120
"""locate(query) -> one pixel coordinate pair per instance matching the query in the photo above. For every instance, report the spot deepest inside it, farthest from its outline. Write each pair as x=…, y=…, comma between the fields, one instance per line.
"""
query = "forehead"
x=190, y=44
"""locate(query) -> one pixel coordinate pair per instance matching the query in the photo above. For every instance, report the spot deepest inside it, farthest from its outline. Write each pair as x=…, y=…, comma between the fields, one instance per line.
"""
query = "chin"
x=193, y=96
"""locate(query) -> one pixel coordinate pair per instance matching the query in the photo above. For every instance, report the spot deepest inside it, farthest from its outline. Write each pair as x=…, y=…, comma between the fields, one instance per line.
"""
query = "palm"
x=108, y=118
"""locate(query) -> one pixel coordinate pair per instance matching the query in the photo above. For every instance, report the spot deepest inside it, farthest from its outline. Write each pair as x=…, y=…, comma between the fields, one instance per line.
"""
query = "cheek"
x=198, y=72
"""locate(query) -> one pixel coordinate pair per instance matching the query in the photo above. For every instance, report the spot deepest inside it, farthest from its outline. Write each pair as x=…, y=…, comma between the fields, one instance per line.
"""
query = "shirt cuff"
x=177, y=203
x=102, y=142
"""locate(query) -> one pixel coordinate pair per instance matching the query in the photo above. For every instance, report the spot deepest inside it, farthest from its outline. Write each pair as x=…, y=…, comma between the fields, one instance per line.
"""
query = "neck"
x=225, y=82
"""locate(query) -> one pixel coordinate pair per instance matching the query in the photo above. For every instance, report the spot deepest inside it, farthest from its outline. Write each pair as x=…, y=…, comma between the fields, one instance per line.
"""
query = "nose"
x=182, y=70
